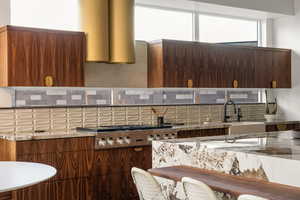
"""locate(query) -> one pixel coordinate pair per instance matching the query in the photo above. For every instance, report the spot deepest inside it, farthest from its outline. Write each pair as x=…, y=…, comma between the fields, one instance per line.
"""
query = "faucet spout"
x=229, y=102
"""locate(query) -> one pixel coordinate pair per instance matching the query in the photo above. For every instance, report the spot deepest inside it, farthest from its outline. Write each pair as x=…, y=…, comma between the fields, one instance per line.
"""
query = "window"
x=215, y=29
x=52, y=14
x=153, y=24
x=159, y=23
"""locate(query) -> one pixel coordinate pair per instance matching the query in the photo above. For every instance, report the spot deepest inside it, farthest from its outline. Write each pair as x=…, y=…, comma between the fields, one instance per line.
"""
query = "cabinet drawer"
x=202, y=133
x=123, y=159
x=67, y=164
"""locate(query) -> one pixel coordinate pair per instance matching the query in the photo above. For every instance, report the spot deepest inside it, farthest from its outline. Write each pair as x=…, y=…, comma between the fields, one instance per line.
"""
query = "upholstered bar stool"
x=147, y=187
x=197, y=190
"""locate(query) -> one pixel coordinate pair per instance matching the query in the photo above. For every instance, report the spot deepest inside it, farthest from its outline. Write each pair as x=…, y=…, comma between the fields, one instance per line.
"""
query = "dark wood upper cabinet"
x=185, y=64
x=29, y=55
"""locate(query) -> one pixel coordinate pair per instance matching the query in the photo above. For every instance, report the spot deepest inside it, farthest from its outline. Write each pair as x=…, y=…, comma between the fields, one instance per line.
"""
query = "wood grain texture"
x=55, y=145
x=6, y=196
x=117, y=179
x=155, y=71
x=281, y=127
x=234, y=185
x=7, y=150
x=32, y=54
x=3, y=58
x=82, y=172
x=75, y=189
x=69, y=165
x=173, y=63
x=282, y=68
x=202, y=133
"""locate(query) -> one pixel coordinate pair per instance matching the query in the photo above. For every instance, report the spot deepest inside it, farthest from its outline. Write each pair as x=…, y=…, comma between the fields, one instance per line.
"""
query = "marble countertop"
x=45, y=135
x=73, y=133
x=275, y=144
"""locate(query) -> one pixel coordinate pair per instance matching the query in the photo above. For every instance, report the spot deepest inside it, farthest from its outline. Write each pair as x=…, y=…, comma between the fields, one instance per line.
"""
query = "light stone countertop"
x=73, y=133
x=279, y=144
x=45, y=135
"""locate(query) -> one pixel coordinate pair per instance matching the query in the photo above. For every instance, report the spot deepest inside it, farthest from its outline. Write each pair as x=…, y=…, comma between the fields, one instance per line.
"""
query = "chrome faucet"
x=229, y=102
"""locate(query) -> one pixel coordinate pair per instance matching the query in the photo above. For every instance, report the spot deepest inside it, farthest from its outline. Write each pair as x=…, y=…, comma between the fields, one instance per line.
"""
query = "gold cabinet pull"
x=235, y=84
x=49, y=81
x=282, y=127
x=274, y=84
x=138, y=149
x=190, y=83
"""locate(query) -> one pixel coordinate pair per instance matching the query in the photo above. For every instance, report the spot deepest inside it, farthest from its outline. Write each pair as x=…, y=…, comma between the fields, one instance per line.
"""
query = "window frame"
x=195, y=23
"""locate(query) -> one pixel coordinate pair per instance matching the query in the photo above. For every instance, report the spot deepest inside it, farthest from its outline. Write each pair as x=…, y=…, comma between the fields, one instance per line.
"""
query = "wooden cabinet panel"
x=113, y=167
x=202, y=133
x=55, y=145
x=281, y=68
x=263, y=68
x=217, y=65
x=69, y=165
x=75, y=189
x=282, y=127
x=32, y=54
x=6, y=196
x=123, y=158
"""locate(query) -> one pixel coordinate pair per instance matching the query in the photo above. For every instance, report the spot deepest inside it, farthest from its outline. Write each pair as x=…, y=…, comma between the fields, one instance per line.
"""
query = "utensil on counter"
x=160, y=116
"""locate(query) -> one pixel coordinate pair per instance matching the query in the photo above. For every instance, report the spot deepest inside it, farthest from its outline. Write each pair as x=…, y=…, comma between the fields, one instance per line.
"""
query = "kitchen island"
x=272, y=157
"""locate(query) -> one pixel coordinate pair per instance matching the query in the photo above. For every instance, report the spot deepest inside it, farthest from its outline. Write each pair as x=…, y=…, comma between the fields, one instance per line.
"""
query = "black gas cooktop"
x=120, y=128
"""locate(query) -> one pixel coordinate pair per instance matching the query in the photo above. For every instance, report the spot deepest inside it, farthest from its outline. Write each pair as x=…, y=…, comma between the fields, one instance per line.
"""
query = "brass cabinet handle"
x=235, y=84
x=282, y=127
x=49, y=81
x=274, y=84
x=138, y=149
x=190, y=83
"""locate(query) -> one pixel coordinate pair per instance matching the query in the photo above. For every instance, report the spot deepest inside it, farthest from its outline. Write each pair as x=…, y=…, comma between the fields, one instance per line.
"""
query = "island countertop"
x=270, y=156
x=275, y=144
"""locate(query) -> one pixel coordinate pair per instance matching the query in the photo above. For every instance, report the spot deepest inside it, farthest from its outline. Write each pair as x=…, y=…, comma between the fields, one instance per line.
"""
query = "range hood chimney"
x=109, y=27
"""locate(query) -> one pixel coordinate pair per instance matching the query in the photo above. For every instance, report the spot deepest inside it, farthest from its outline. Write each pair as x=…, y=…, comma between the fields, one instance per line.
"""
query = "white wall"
x=275, y=6
x=119, y=75
x=4, y=12
x=254, y=9
x=286, y=34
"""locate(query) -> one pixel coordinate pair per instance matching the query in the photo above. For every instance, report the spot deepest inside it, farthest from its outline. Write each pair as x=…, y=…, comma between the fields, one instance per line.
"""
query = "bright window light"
x=216, y=29
x=154, y=24
x=51, y=14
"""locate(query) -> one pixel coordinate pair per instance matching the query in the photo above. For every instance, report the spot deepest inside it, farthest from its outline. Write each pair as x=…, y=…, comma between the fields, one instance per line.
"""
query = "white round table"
x=17, y=175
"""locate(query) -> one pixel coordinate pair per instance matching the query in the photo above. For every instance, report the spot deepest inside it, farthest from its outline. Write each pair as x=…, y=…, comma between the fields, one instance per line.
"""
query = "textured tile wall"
x=57, y=97
x=52, y=119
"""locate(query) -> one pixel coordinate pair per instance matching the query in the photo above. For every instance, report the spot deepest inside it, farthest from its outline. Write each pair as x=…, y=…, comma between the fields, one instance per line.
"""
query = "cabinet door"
x=263, y=68
x=178, y=67
x=33, y=55
x=220, y=66
x=170, y=72
x=281, y=72
x=199, y=65
x=70, y=60
x=24, y=58
x=244, y=72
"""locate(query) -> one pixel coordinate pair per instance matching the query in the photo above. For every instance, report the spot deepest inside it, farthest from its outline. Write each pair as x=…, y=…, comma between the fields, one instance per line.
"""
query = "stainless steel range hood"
x=109, y=27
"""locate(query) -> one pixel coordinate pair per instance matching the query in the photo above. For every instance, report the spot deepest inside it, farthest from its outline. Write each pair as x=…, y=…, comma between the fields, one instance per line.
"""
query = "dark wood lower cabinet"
x=112, y=180
x=71, y=189
x=282, y=127
x=6, y=196
x=202, y=133
x=83, y=172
